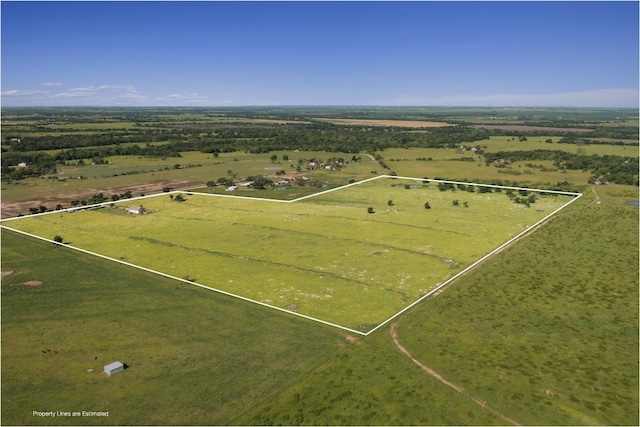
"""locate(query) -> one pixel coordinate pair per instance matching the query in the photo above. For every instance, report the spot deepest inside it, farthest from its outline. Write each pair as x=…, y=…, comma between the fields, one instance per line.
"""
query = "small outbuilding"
x=137, y=210
x=114, y=368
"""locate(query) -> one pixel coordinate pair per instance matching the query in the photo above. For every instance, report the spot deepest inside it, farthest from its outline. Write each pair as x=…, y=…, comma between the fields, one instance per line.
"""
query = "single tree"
x=456, y=202
x=427, y=205
x=390, y=202
x=370, y=210
x=58, y=239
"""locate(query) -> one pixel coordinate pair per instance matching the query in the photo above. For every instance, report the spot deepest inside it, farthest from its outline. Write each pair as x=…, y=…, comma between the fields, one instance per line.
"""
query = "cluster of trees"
x=58, y=142
x=162, y=132
x=37, y=164
x=616, y=169
x=572, y=139
x=370, y=209
x=95, y=199
x=258, y=182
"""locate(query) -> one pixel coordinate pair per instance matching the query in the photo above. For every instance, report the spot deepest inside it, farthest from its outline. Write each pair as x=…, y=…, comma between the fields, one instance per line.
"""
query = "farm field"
x=545, y=332
x=320, y=256
x=193, y=358
x=392, y=123
x=302, y=372
x=541, y=333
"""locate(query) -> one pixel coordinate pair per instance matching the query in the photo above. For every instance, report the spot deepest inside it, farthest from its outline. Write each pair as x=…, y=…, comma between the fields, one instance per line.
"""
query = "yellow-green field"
x=329, y=257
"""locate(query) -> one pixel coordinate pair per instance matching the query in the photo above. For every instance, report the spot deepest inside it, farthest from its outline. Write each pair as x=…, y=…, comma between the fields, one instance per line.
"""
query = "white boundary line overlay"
x=528, y=230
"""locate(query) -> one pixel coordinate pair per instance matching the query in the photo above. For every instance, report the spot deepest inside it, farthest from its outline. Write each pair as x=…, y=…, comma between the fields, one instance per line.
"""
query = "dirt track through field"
x=459, y=389
x=481, y=403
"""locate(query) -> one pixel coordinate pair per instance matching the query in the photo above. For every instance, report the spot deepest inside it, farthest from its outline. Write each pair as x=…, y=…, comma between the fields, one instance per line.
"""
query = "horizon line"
x=323, y=106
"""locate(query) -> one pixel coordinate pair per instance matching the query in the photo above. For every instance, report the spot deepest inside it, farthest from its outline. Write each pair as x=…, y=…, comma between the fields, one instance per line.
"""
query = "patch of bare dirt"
x=32, y=283
x=7, y=273
x=13, y=209
x=390, y=123
x=524, y=128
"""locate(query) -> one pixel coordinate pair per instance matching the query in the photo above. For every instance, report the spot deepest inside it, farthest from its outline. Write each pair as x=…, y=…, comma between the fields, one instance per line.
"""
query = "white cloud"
x=51, y=84
x=102, y=95
x=24, y=93
x=182, y=99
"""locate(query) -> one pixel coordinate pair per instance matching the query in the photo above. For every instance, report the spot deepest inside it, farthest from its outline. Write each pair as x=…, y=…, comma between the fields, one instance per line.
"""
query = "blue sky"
x=320, y=53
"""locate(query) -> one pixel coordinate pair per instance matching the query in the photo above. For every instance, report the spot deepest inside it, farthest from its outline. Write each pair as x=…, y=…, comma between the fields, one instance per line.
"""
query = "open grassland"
x=446, y=164
x=326, y=257
x=546, y=333
x=134, y=171
x=193, y=357
x=550, y=329
x=510, y=143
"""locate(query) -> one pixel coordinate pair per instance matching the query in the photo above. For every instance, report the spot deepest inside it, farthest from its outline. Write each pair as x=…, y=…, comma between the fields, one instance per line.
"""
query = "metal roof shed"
x=113, y=368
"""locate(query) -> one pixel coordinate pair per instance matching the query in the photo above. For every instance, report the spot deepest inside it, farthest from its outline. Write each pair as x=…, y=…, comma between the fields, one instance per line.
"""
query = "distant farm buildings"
x=137, y=210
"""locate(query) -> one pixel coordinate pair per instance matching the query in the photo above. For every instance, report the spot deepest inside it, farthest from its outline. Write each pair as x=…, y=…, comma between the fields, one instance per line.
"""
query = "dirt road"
x=12, y=209
x=459, y=389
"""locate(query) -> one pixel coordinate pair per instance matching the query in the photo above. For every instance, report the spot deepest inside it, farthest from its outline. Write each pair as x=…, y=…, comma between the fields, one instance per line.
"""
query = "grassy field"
x=446, y=164
x=208, y=168
x=557, y=312
x=320, y=256
x=194, y=357
x=546, y=333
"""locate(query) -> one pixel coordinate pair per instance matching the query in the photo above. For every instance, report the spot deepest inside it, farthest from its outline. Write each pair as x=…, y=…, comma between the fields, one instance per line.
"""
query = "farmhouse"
x=293, y=177
x=114, y=368
x=232, y=188
x=137, y=210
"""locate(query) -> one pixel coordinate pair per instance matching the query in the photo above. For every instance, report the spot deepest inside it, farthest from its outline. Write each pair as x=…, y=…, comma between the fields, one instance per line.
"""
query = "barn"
x=114, y=368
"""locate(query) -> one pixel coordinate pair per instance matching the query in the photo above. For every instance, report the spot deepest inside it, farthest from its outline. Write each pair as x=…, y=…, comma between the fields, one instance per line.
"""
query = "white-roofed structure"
x=114, y=368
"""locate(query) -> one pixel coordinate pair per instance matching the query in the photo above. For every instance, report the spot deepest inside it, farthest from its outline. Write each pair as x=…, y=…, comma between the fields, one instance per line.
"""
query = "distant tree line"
x=615, y=169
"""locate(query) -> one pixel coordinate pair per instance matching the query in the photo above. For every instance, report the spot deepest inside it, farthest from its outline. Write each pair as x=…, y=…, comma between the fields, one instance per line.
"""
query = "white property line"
x=495, y=251
x=182, y=280
x=189, y=192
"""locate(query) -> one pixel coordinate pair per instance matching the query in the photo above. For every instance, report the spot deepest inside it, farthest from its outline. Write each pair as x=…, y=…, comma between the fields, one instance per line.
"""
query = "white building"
x=137, y=210
x=114, y=368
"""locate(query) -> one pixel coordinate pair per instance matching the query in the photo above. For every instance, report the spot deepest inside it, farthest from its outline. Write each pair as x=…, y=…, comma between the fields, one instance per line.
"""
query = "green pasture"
x=324, y=257
x=131, y=170
x=445, y=163
x=193, y=357
x=549, y=331
x=511, y=143
x=546, y=332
